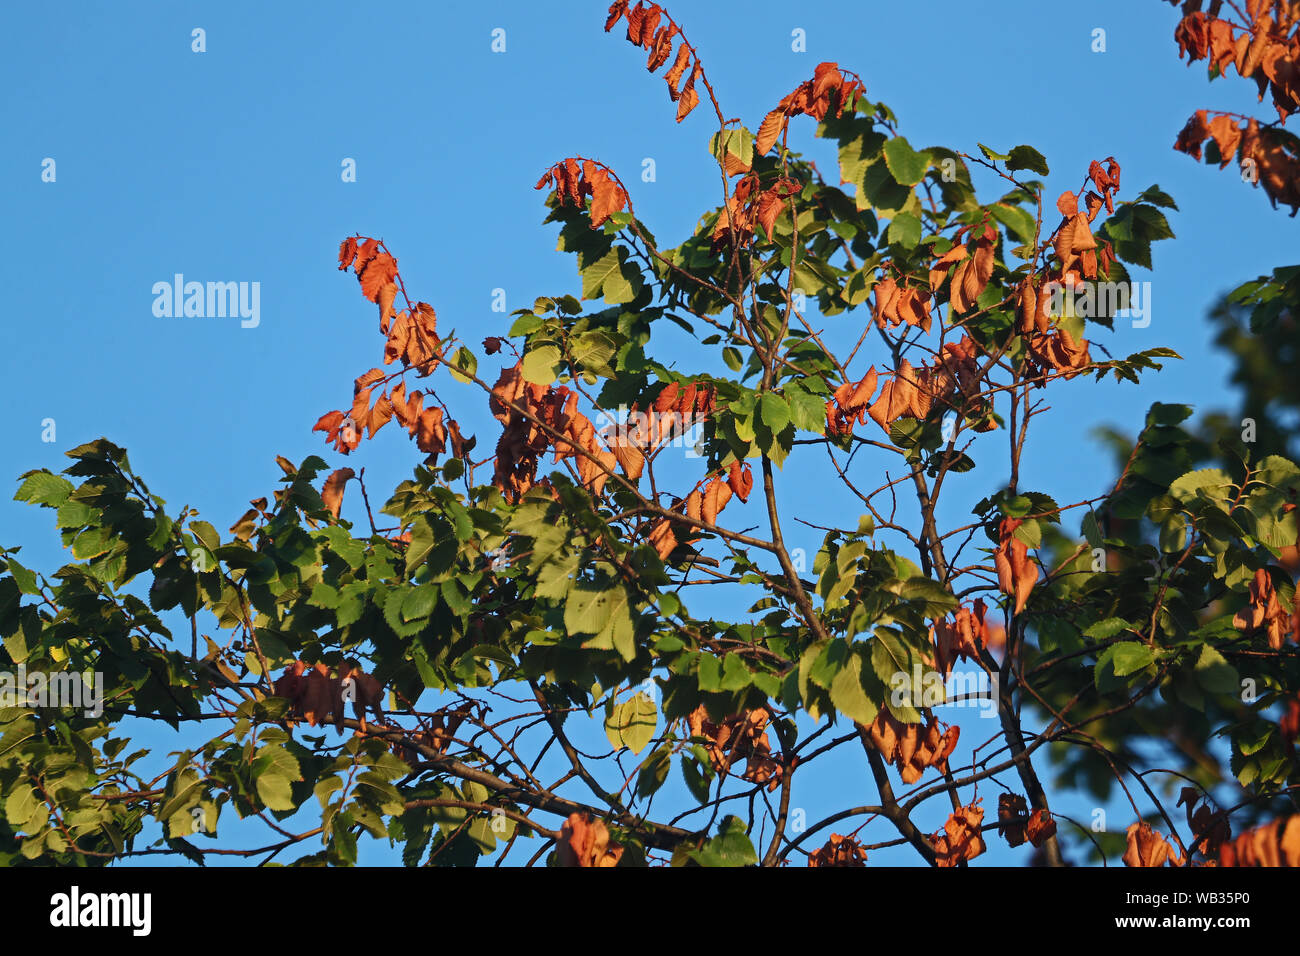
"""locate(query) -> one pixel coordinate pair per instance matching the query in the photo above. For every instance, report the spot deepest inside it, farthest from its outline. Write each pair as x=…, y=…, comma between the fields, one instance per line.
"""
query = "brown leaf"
x=960, y=839
x=740, y=479
x=716, y=495
x=1017, y=573
x=689, y=98
x=1012, y=818
x=347, y=252
x=1146, y=847
x=1227, y=136
x=1040, y=828
x=332, y=493
x=674, y=74
x=839, y=851
x=769, y=131
x=380, y=271
x=585, y=842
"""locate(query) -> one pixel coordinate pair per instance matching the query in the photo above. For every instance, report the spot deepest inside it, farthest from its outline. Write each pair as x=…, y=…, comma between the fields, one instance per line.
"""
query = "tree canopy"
x=614, y=556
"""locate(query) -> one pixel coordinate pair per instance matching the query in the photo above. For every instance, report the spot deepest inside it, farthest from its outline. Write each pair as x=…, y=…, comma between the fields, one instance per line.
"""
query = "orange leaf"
x=674, y=74
x=332, y=492
x=689, y=98
x=716, y=495
x=769, y=131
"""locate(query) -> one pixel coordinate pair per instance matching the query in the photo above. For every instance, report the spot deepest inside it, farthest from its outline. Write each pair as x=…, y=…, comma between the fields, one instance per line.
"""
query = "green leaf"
x=1130, y=656
x=275, y=791
x=774, y=412
x=1211, y=483
x=905, y=164
x=608, y=277
x=1108, y=628
x=604, y=612
x=542, y=364
x=1026, y=157
x=731, y=846
x=696, y=780
x=905, y=230
x=654, y=772
x=1019, y=222
x=891, y=657
x=463, y=365
x=1215, y=674
x=593, y=350
x=632, y=723
x=44, y=488
x=1158, y=197
x=848, y=693
x=738, y=142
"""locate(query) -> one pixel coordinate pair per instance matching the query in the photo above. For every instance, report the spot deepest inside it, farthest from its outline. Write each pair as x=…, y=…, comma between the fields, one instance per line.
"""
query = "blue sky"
x=225, y=166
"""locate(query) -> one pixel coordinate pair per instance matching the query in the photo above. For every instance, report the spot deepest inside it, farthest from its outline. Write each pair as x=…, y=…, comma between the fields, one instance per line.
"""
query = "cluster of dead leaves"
x=1265, y=612
x=702, y=504
x=437, y=735
x=949, y=380
x=1271, y=844
x=912, y=748
x=897, y=304
x=1275, y=164
x=810, y=98
x=529, y=433
x=963, y=638
x=573, y=183
x=674, y=411
x=523, y=441
x=901, y=395
x=376, y=270
x=961, y=839
x=1033, y=300
x=1058, y=351
x=1209, y=827
x=244, y=527
x=739, y=737
x=1077, y=250
x=748, y=206
x=430, y=426
x=410, y=337
x=411, y=334
x=1017, y=573
x=1266, y=48
x=1016, y=824
x=317, y=694
x=973, y=270
x=849, y=403
x=839, y=851
x=1148, y=847
x=650, y=28
x=585, y=842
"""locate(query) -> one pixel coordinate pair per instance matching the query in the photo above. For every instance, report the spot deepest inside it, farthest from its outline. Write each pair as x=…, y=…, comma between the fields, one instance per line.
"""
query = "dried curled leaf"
x=960, y=839
x=574, y=183
x=1148, y=847
x=839, y=851
x=1017, y=573
x=644, y=30
x=332, y=492
x=585, y=842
